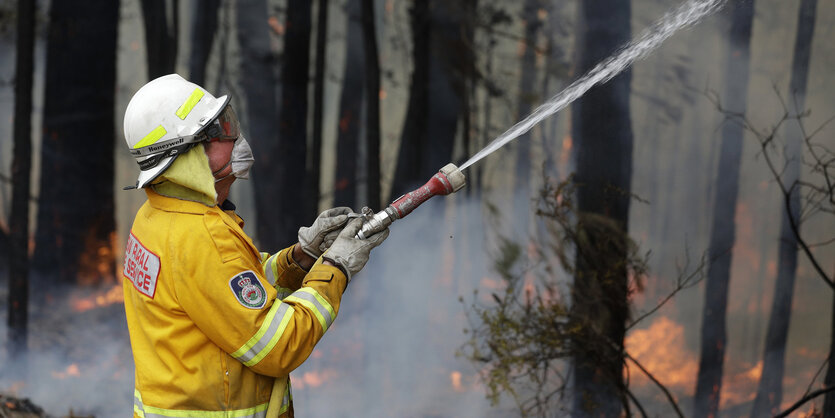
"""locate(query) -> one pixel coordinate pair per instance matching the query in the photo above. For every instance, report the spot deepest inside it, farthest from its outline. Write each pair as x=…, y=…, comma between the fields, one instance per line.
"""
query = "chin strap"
x=214, y=174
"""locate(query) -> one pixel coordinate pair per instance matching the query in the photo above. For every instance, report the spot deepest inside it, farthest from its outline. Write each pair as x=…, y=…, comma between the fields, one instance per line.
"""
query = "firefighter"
x=215, y=325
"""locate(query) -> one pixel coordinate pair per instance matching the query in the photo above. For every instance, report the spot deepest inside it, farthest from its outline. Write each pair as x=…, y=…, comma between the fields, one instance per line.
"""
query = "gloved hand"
x=317, y=238
x=350, y=253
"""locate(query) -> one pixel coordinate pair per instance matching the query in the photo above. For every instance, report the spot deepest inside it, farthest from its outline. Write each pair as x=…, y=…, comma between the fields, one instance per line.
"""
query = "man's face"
x=219, y=154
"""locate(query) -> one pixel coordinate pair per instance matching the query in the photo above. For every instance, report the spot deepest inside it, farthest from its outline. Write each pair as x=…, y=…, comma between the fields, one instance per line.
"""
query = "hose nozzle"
x=448, y=180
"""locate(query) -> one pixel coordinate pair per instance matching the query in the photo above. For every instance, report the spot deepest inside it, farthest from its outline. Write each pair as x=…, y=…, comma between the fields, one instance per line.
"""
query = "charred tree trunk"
x=722, y=233
x=468, y=102
x=527, y=96
x=21, y=172
x=203, y=31
x=604, y=172
x=436, y=95
x=447, y=68
x=292, y=127
x=161, y=21
x=75, y=217
x=829, y=380
x=770, y=392
x=258, y=82
x=350, y=108
x=372, y=108
x=314, y=171
x=413, y=136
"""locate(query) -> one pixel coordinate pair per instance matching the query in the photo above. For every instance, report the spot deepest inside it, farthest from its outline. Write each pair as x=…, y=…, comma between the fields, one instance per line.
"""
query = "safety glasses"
x=225, y=127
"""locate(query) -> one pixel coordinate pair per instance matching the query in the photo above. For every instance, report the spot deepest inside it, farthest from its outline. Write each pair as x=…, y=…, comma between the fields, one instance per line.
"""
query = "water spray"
x=687, y=14
x=449, y=180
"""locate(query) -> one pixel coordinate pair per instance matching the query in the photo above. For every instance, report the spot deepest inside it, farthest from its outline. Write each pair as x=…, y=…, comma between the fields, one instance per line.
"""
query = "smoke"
x=392, y=349
x=76, y=361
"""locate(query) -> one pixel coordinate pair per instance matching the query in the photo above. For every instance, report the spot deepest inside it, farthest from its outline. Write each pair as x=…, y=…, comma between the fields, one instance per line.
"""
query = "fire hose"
x=446, y=181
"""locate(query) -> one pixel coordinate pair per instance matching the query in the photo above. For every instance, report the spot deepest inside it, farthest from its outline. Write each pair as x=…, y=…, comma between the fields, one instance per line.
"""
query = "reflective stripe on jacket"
x=212, y=321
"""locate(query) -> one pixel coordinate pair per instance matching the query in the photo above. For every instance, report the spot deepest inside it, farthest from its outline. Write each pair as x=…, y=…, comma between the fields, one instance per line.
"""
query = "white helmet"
x=168, y=116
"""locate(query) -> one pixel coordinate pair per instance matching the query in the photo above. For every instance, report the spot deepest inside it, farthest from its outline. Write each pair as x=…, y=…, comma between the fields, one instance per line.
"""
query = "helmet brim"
x=147, y=176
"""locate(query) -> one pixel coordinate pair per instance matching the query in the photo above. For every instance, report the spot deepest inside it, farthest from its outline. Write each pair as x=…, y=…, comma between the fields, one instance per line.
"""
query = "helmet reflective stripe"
x=192, y=100
x=152, y=137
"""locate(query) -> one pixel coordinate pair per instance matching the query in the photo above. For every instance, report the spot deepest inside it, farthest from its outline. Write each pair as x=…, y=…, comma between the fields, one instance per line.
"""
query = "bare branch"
x=682, y=283
x=803, y=400
x=635, y=401
x=657, y=383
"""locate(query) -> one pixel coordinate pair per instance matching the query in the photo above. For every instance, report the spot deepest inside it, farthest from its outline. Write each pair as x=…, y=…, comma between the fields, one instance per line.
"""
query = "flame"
x=70, y=371
x=567, y=143
x=455, y=379
x=661, y=350
x=565, y=155
x=811, y=413
x=315, y=379
x=275, y=25
x=383, y=94
x=740, y=387
x=97, y=262
x=114, y=294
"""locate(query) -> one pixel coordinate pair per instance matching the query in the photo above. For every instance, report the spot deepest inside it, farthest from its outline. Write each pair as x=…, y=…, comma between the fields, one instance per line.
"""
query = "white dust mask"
x=241, y=160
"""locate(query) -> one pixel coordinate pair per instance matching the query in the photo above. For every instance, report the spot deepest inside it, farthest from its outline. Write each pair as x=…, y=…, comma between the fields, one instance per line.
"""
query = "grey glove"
x=350, y=253
x=317, y=238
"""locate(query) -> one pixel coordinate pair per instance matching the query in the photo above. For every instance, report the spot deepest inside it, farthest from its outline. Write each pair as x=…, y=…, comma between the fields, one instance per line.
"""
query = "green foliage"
x=522, y=339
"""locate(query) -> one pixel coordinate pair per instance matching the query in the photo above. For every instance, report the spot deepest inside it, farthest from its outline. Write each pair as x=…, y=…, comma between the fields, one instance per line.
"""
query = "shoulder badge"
x=248, y=290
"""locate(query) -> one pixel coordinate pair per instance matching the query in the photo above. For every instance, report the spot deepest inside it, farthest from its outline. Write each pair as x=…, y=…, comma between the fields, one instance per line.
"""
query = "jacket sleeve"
x=282, y=272
x=221, y=293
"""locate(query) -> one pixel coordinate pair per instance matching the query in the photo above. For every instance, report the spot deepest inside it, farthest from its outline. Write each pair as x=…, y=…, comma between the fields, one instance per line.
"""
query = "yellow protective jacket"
x=214, y=323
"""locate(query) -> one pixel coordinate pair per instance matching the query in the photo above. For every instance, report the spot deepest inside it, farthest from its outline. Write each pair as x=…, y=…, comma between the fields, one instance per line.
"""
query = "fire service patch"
x=248, y=290
x=141, y=267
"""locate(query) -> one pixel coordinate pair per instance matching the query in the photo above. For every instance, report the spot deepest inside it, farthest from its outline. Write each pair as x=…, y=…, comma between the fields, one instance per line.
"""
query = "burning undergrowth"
x=392, y=350
x=78, y=357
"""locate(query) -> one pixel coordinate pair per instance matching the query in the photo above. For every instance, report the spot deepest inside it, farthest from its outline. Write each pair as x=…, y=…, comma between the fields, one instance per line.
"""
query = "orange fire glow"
x=455, y=379
x=70, y=371
x=565, y=155
x=315, y=379
x=96, y=263
x=114, y=294
x=661, y=350
x=740, y=387
x=567, y=143
x=275, y=25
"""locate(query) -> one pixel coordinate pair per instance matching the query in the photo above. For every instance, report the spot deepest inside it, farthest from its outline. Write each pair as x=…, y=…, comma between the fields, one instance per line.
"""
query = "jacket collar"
x=170, y=204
